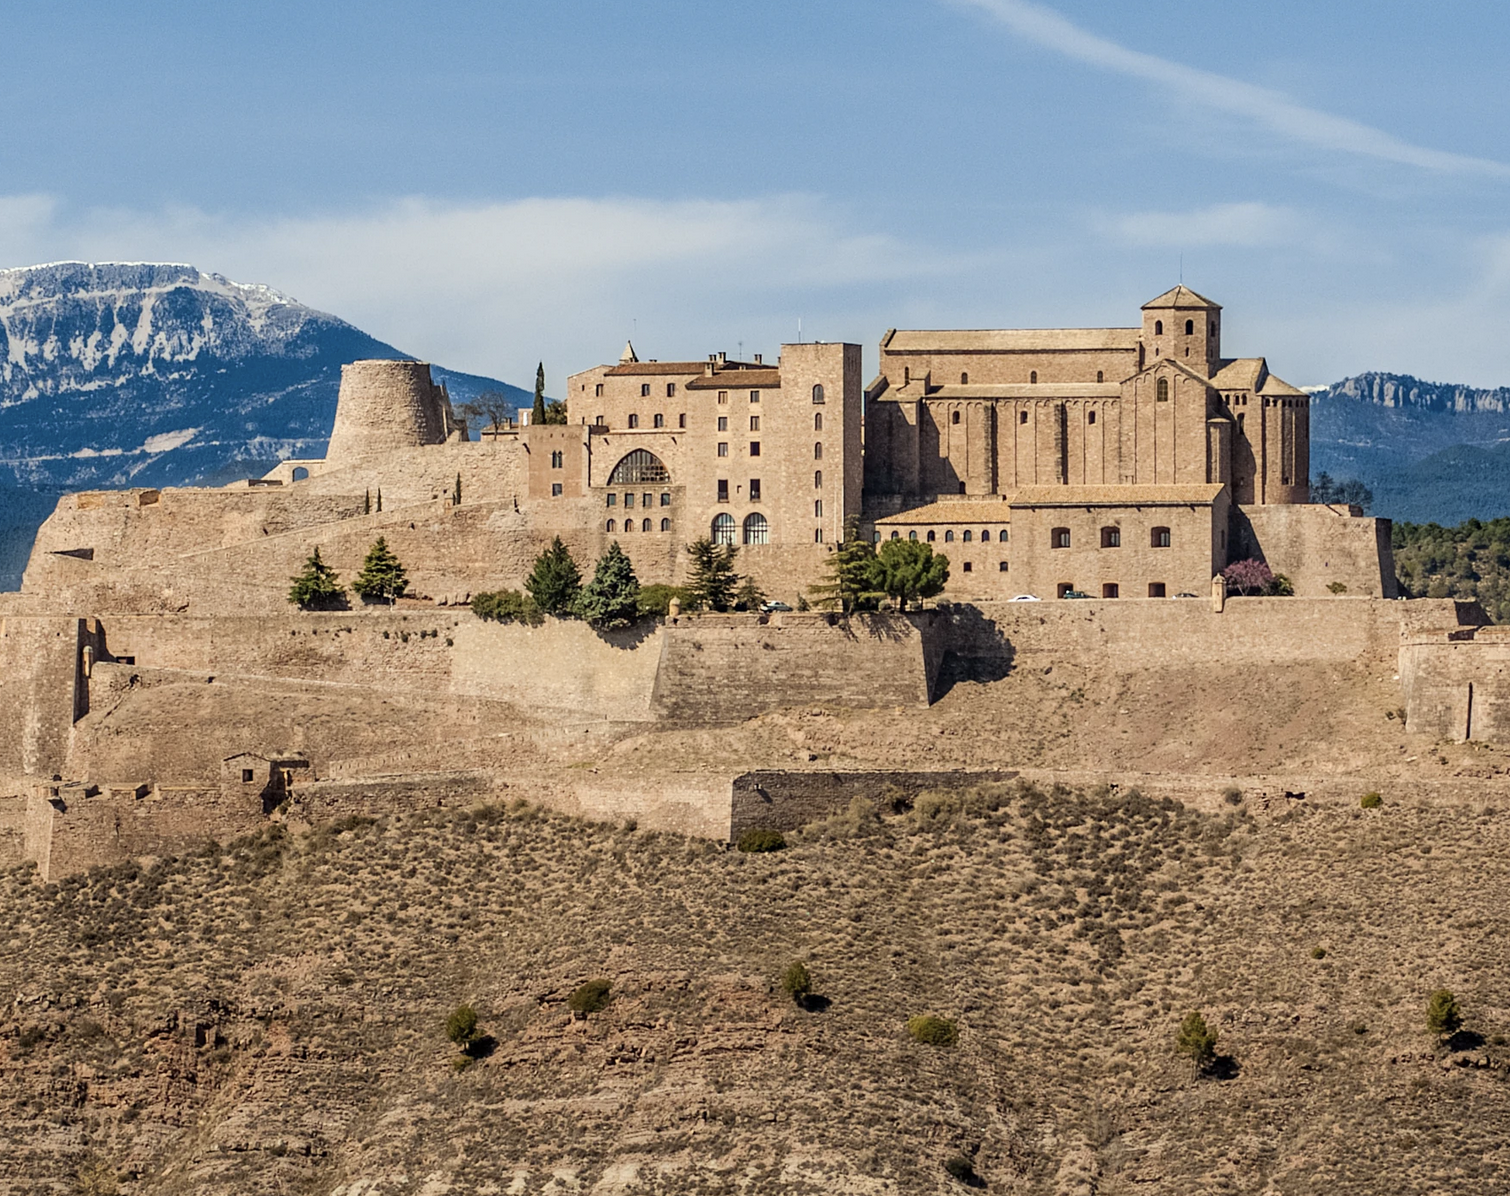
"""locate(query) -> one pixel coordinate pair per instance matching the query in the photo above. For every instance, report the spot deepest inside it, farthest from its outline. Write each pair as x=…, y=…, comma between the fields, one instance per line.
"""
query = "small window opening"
x=247, y=776
x=1059, y=538
x=634, y=420
x=967, y=566
x=612, y=527
x=671, y=390
x=723, y=448
x=964, y=379
x=723, y=492
x=817, y=479
x=644, y=390
x=754, y=396
x=931, y=535
x=598, y=391
x=681, y=420
x=1002, y=567
x=1158, y=327
x=558, y=460
x=1156, y=589
x=817, y=421
x=665, y=525
x=1100, y=375
x=912, y=535
x=1159, y=538
x=658, y=420
x=966, y=536
x=1109, y=589
x=754, y=489
x=818, y=509
x=754, y=423
x=665, y=498
x=556, y=490
x=818, y=451
x=1090, y=418
x=1022, y=417
x=1063, y=588
x=1033, y=377
x=1111, y=537
x=1189, y=327
x=954, y=417
x=818, y=393
x=754, y=448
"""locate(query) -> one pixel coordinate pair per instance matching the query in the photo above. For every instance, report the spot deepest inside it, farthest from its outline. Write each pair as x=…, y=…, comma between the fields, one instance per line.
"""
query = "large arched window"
x=817, y=395
x=639, y=466
x=723, y=529
x=1162, y=390
x=757, y=530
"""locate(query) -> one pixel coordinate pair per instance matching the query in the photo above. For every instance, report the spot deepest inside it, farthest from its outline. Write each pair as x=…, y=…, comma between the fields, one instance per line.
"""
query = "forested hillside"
x=1471, y=560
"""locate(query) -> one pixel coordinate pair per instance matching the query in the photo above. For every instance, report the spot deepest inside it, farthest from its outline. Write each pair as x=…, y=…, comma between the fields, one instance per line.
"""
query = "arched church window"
x=1189, y=327
x=639, y=466
x=1162, y=391
x=1158, y=327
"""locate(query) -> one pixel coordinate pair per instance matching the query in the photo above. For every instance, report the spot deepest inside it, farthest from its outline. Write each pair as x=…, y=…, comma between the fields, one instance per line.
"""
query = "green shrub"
x=1232, y=795
x=1371, y=801
x=507, y=606
x=933, y=1031
x=655, y=600
x=1442, y=1013
x=796, y=981
x=1196, y=1041
x=761, y=839
x=1318, y=952
x=592, y=997
x=461, y=1026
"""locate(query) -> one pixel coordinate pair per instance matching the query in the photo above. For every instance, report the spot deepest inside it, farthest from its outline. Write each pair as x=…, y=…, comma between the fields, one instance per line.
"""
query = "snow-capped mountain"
x=150, y=374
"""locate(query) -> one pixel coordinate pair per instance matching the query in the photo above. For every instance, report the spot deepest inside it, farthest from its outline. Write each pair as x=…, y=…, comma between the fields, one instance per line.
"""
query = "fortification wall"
x=40, y=691
x=1318, y=546
x=725, y=668
x=786, y=800
x=1457, y=683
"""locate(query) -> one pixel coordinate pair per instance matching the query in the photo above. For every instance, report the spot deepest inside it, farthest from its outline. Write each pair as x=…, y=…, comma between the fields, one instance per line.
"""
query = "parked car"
x=1025, y=598
x=1185, y=594
x=1074, y=594
x=771, y=607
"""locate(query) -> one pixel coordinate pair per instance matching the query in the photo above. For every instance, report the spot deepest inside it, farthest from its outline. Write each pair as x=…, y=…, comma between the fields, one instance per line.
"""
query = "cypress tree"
x=612, y=597
x=555, y=582
x=382, y=577
x=317, y=587
x=456, y=497
x=711, y=580
x=537, y=413
x=380, y=498
x=367, y=502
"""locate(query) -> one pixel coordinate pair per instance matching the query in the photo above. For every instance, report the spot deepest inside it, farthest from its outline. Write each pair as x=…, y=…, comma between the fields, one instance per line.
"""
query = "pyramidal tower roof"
x=1181, y=296
x=628, y=356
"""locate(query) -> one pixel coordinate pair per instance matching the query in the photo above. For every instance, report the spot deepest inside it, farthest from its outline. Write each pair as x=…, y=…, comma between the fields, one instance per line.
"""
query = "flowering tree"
x=1248, y=577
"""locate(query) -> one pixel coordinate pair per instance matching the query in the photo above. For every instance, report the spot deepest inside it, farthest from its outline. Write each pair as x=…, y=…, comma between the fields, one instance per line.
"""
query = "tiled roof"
x=1239, y=373
x=1278, y=388
x=1181, y=296
x=1118, y=496
x=742, y=379
x=958, y=511
x=675, y=368
x=1010, y=340
x=1028, y=390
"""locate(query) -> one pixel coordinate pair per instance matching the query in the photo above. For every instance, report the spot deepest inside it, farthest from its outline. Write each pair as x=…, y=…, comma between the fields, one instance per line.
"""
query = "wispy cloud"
x=1240, y=225
x=492, y=287
x=1271, y=109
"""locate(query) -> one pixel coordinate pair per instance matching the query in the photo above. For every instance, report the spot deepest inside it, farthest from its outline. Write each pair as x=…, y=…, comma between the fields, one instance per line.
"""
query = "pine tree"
x=317, y=587
x=749, y=596
x=910, y=569
x=1442, y=1013
x=537, y=412
x=612, y=597
x=382, y=578
x=1196, y=1041
x=711, y=580
x=555, y=582
x=853, y=581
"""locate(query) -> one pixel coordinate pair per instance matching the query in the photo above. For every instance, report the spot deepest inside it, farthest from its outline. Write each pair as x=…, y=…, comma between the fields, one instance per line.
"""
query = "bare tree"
x=491, y=405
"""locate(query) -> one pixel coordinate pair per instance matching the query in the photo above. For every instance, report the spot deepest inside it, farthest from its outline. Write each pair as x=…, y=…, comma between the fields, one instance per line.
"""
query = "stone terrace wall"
x=40, y=692
x=1316, y=546
x=787, y=800
x=1457, y=683
x=725, y=668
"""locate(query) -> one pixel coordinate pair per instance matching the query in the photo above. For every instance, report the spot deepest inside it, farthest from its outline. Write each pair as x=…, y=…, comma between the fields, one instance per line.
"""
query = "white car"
x=1025, y=598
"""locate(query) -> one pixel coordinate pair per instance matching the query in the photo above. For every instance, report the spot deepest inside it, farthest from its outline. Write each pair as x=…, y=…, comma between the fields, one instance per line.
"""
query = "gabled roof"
x=953, y=510
x=1009, y=340
x=1177, y=363
x=1240, y=373
x=744, y=378
x=1181, y=296
x=1278, y=388
x=675, y=368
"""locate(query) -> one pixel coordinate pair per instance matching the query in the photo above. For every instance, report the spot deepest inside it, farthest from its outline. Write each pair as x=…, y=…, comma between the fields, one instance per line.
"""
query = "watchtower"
x=1185, y=326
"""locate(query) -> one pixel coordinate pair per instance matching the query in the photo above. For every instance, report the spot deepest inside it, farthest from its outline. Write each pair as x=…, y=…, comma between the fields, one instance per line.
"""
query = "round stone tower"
x=387, y=405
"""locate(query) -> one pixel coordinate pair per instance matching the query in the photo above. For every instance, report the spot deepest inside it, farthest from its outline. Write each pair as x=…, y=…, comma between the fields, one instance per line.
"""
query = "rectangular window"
x=723, y=448
x=1022, y=417
x=598, y=390
x=1156, y=589
x=754, y=423
x=1109, y=589
x=818, y=535
x=599, y=421
x=723, y=396
x=665, y=498
x=1002, y=568
x=681, y=420
x=613, y=500
x=659, y=421
x=634, y=420
x=647, y=500
x=644, y=390
x=754, y=448
x=629, y=502
x=555, y=489
x=754, y=396
x=247, y=776
x=723, y=423
x=671, y=390
x=723, y=489
x=754, y=489
x=967, y=566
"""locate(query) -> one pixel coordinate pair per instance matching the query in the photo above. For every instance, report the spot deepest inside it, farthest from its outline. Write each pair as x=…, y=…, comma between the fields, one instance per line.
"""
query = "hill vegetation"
x=1470, y=561
x=282, y=1015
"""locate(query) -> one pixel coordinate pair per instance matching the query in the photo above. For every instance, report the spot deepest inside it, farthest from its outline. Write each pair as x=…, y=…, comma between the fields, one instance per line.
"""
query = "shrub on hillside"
x=592, y=997
x=1443, y=1016
x=933, y=1031
x=962, y=1169
x=796, y=981
x=461, y=1026
x=761, y=839
x=1371, y=801
x=507, y=606
x=1196, y=1041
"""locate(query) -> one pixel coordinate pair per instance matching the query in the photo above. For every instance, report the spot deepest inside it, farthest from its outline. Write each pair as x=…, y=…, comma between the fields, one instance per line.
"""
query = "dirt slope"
x=269, y=1019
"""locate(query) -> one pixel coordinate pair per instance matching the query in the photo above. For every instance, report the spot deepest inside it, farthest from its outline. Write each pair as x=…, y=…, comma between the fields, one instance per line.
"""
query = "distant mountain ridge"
x=158, y=374
x=1403, y=390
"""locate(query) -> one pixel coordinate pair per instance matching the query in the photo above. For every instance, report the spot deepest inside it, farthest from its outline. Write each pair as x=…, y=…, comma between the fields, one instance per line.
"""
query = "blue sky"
x=486, y=184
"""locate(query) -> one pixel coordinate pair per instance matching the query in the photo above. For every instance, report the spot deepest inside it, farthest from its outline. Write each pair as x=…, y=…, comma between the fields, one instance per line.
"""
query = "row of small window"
x=1158, y=328
x=966, y=536
x=644, y=525
x=723, y=395
x=646, y=500
x=1111, y=537
x=1110, y=589
x=656, y=421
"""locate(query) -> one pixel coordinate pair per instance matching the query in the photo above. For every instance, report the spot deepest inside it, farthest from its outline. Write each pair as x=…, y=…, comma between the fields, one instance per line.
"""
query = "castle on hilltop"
x=163, y=688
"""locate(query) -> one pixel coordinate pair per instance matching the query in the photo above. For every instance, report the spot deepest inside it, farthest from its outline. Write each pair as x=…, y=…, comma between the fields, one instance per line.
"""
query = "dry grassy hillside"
x=268, y=1018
